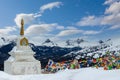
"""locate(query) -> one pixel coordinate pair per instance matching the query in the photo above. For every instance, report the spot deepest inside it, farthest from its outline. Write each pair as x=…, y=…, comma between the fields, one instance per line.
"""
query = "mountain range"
x=78, y=48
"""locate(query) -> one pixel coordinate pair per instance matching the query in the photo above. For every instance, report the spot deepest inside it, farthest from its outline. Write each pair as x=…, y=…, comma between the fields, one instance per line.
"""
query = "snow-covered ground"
x=78, y=74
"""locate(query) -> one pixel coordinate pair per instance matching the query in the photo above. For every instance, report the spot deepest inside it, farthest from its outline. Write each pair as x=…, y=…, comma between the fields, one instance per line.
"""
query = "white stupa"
x=21, y=60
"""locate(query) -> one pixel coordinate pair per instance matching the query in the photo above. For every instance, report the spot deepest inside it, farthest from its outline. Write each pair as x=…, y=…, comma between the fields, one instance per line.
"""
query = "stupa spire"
x=22, y=27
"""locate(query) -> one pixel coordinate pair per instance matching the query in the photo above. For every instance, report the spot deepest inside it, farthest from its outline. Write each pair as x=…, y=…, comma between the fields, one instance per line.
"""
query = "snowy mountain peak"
x=48, y=42
x=3, y=41
x=98, y=49
x=74, y=42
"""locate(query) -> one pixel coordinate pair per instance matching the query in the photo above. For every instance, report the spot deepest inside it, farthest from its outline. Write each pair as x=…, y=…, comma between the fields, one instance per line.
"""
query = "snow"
x=14, y=49
x=1, y=42
x=11, y=59
x=88, y=44
x=83, y=44
x=4, y=41
x=49, y=44
x=78, y=74
x=90, y=50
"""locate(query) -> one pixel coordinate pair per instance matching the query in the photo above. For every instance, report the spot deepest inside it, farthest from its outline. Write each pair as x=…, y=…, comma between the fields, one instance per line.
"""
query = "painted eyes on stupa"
x=24, y=42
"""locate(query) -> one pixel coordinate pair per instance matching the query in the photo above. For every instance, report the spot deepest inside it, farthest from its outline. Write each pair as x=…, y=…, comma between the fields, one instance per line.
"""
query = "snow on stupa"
x=21, y=60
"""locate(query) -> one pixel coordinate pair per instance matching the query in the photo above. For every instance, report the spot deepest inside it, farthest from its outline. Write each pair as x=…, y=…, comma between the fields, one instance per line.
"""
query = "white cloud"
x=6, y=33
x=113, y=9
x=37, y=40
x=60, y=27
x=115, y=27
x=28, y=18
x=7, y=30
x=12, y=37
x=76, y=31
x=39, y=31
x=91, y=32
x=50, y=6
x=111, y=19
x=71, y=27
x=110, y=1
x=89, y=21
x=111, y=16
x=69, y=32
x=42, y=28
x=36, y=32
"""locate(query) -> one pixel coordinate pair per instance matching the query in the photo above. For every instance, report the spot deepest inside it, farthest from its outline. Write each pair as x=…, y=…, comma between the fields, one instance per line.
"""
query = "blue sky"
x=60, y=20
